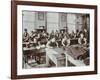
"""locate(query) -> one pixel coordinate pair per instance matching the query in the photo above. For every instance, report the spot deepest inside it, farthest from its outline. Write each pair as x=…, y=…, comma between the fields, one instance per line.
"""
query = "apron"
x=82, y=41
x=65, y=42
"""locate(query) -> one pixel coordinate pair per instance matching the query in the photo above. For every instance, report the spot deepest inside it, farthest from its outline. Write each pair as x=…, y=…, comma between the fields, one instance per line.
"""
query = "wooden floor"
x=34, y=64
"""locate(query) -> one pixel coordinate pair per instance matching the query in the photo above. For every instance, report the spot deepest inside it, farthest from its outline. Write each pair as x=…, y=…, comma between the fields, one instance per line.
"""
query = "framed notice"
x=53, y=52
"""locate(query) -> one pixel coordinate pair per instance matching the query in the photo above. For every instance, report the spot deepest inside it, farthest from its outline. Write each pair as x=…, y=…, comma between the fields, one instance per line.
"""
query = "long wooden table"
x=33, y=51
x=53, y=54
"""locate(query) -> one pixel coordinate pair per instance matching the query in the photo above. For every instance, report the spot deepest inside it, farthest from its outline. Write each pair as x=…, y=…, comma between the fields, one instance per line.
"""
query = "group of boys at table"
x=40, y=43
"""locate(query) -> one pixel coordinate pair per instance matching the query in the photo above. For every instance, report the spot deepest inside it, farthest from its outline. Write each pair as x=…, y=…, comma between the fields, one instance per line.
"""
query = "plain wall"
x=52, y=20
x=28, y=20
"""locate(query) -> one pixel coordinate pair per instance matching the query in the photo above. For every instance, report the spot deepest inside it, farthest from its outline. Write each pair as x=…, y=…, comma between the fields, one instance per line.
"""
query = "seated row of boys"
x=54, y=39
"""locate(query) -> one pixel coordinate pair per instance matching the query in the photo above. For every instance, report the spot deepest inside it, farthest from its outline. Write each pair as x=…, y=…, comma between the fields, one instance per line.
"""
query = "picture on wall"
x=55, y=47
x=41, y=15
x=53, y=39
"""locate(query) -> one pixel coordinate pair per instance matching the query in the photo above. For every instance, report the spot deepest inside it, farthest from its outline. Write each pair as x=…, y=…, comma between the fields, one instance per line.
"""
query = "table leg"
x=66, y=60
x=47, y=60
x=57, y=63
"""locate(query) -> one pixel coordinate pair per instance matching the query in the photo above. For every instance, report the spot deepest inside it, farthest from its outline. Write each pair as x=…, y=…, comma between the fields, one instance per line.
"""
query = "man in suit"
x=25, y=36
x=82, y=39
